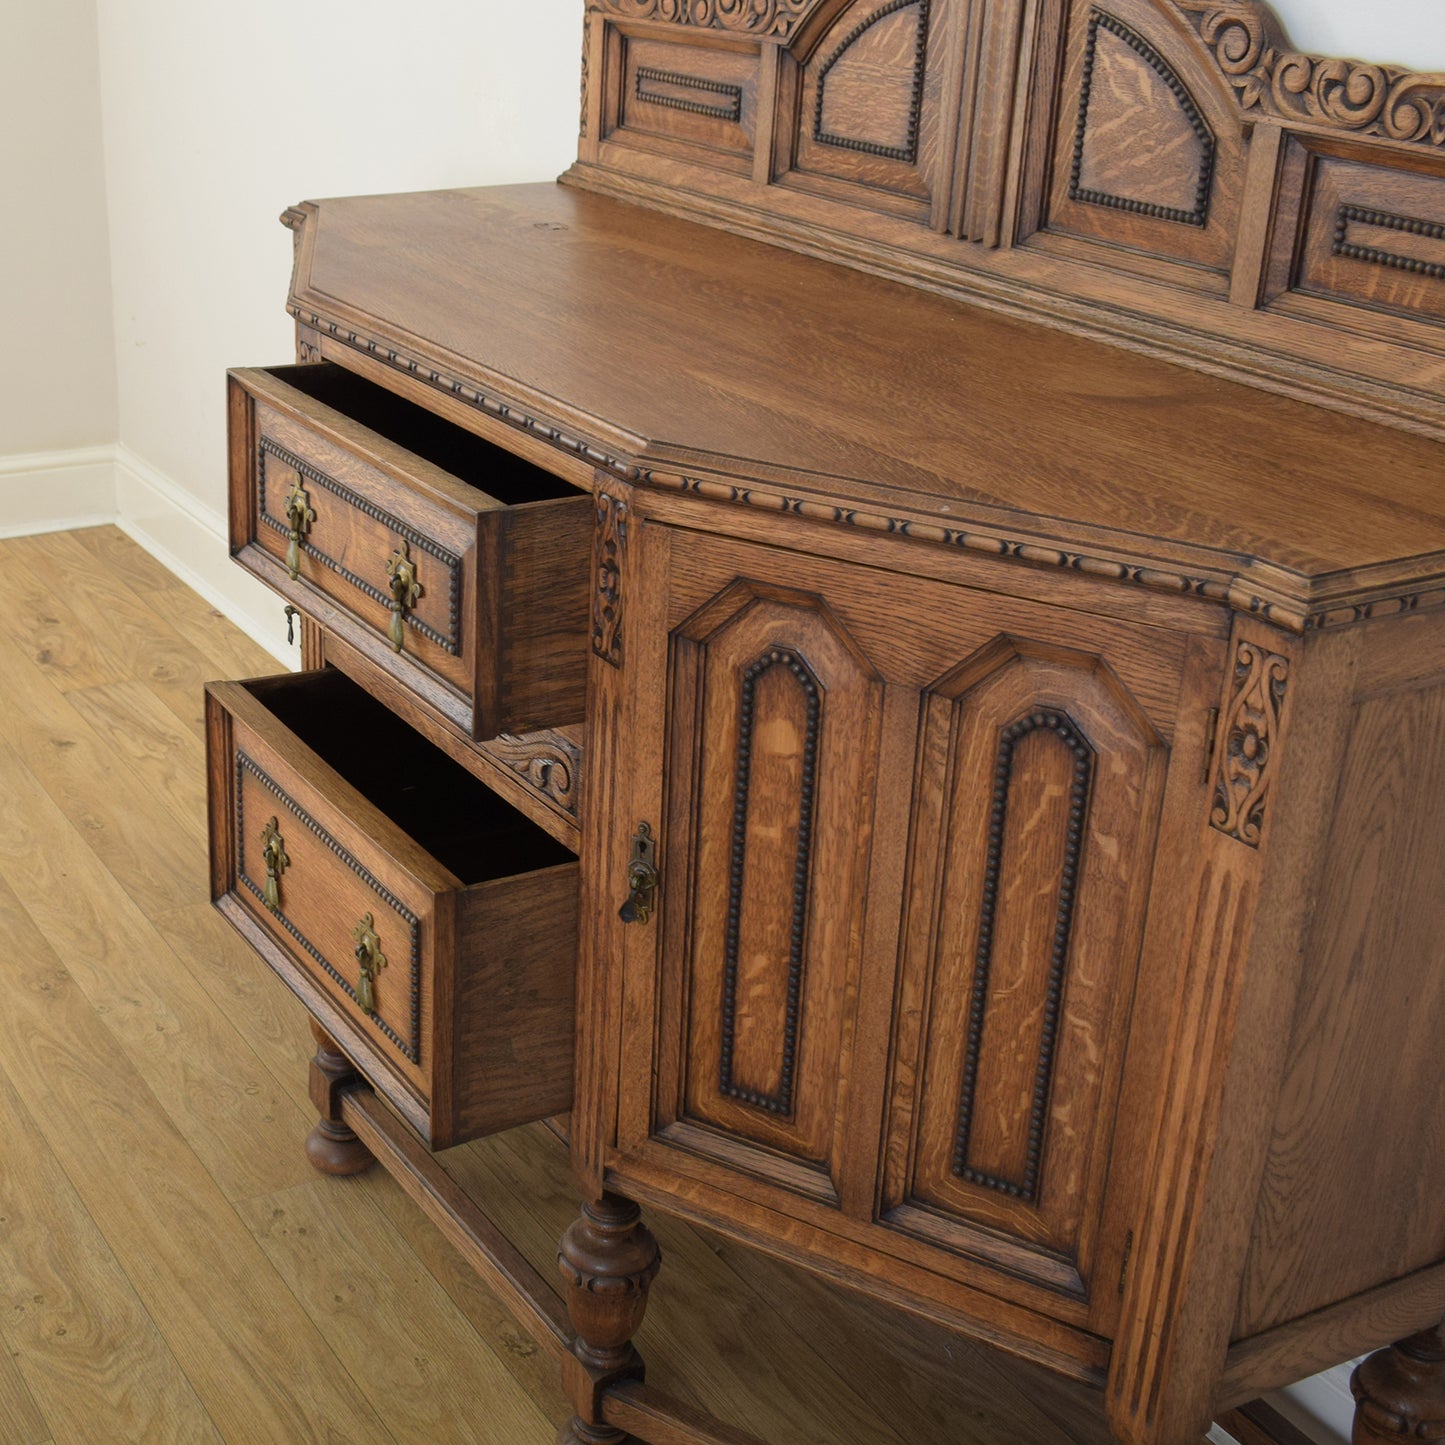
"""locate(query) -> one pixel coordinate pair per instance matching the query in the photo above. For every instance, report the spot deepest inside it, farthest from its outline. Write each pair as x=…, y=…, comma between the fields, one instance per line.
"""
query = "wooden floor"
x=171, y=1269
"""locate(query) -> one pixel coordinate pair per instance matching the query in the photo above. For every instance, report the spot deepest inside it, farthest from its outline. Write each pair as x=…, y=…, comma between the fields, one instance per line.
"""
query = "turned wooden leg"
x=1400, y=1392
x=608, y=1259
x=331, y=1146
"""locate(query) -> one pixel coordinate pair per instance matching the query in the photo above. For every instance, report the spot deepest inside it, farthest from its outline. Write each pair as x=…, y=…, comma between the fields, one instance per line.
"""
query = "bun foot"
x=331, y=1146
x=1400, y=1392
x=578, y=1432
x=334, y=1149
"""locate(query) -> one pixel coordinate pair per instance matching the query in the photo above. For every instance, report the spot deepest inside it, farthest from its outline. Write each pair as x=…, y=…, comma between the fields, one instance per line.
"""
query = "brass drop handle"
x=277, y=861
x=290, y=613
x=370, y=961
x=405, y=590
x=641, y=877
x=299, y=516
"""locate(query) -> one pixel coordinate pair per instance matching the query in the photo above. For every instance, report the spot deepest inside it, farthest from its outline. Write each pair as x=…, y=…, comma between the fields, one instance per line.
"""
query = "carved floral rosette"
x=1252, y=51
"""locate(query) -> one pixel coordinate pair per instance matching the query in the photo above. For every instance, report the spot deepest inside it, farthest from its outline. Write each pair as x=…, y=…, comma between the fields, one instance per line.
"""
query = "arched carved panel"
x=773, y=744
x=1148, y=151
x=1038, y=790
x=1041, y=796
x=1164, y=169
x=859, y=104
x=1274, y=204
x=862, y=98
x=770, y=861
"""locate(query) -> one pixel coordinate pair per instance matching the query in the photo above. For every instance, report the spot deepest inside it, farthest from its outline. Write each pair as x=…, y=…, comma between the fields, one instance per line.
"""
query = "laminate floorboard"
x=171, y=1269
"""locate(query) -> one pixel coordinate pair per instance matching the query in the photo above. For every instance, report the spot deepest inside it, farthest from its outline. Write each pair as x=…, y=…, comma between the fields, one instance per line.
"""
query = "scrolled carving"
x=1268, y=74
x=609, y=553
x=548, y=763
x=778, y=18
x=1251, y=726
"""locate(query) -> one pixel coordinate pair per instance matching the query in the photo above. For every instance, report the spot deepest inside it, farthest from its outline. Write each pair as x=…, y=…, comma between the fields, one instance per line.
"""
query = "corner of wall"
x=189, y=538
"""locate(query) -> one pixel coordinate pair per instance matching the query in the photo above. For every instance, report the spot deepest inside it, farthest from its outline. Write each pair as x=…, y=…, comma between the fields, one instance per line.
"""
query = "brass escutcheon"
x=299, y=516
x=277, y=860
x=370, y=961
x=641, y=877
x=405, y=590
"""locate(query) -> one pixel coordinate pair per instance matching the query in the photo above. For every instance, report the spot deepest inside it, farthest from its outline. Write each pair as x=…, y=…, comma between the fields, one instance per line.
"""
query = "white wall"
x=216, y=118
x=1410, y=33
x=57, y=372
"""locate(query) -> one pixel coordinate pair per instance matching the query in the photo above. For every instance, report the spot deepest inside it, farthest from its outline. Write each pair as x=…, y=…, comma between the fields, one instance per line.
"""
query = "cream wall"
x=57, y=369
x=217, y=117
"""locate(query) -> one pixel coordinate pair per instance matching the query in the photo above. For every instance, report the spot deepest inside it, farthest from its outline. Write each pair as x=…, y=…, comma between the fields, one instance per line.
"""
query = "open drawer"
x=456, y=566
x=429, y=927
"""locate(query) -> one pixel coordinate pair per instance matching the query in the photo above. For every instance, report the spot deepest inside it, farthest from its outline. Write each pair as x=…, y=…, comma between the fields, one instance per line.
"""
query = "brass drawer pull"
x=405, y=590
x=370, y=961
x=641, y=877
x=277, y=860
x=300, y=514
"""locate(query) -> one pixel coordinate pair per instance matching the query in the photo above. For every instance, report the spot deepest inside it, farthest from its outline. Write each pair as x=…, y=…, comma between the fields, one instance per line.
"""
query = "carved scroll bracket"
x=776, y=18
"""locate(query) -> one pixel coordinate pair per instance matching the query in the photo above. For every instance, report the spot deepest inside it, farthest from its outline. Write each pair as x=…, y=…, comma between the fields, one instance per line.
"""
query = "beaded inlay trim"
x=245, y=765
x=1385, y=220
x=1027, y=1188
x=1156, y=62
x=1216, y=587
x=731, y=111
x=782, y=1102
x=908, y=151
x=418, y=539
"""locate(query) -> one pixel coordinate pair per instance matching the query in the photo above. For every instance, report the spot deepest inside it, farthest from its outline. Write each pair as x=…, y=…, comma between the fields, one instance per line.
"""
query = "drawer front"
x=428, y=982
x=336, y=522
x=309, y=872
x=332, y=914
x=476, y=603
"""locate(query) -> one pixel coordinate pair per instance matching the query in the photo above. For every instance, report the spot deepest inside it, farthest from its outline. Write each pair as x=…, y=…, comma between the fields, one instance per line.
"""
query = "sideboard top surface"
x=653, y=343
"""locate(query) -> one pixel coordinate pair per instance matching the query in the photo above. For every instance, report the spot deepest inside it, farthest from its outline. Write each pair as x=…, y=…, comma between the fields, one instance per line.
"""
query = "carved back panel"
x=1167, y=172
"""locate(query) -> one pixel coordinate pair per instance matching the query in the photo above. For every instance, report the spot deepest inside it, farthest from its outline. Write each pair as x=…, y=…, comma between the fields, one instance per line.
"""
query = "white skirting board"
x=56, y=491
x=90, y=486
x=190, y=539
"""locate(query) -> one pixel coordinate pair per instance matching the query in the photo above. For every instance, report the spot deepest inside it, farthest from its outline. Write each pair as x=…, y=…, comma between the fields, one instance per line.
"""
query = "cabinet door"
x=907, y=832
x=1038, y=786
x=773, y=731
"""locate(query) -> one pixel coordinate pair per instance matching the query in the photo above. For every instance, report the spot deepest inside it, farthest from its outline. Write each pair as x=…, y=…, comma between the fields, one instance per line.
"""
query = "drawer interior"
x=508, y=478
x=456, y=818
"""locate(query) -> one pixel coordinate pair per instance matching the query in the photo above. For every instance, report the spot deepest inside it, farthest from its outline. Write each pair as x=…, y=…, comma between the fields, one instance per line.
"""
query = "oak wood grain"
x=390, y=1324
x=86, y=1353
x=602, y=274
x=260, y=1365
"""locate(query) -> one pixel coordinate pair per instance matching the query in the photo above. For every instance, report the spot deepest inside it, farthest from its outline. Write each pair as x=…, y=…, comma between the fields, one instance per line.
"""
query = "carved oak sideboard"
x=882, y=650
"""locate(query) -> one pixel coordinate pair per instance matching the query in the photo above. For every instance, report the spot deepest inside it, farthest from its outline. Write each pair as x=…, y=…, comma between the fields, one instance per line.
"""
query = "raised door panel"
x=1039, y=783
x=773, y=747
